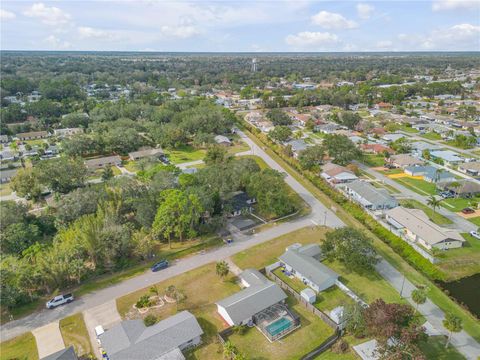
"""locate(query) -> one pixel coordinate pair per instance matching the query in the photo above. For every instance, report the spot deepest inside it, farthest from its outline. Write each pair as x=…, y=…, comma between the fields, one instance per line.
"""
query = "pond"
x=466, y=291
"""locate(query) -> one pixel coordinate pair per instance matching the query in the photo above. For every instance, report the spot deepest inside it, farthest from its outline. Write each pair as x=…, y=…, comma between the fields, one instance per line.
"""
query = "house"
x=448, y=157
x=329, y=128
x=470, y=168
x=297, y=146
x=223, y=140
x=392, y=137
x=430, y=174
x=67, y=132
x=240, y=202
x=131, y=339
x=337, y=174
x=6, y=155
x=369, y=196
x=102, y=162
x=258, y=294
x=463, y=188
x=403, y=161
x=64, y=354
x=419, y=146
x=32, y=135
x=376, y=149
x=140, y=154
x=7, y=175
x=303, y=262
x=417, y=227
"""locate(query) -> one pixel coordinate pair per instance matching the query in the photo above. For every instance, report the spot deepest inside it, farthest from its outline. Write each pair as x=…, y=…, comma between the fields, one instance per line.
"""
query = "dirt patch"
x=469, y=216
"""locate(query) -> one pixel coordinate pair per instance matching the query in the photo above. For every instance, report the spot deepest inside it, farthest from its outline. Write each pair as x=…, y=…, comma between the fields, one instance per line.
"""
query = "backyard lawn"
x=437, y=218
x=199, y=299
x=419, y=186
x=464, y=261
x=74, y=332
x=23, y=347
x=185, y=153
x=313, y=331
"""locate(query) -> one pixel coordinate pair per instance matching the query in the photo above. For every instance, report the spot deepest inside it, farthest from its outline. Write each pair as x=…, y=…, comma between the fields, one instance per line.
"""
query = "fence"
x=302, y=301
x=324, y=346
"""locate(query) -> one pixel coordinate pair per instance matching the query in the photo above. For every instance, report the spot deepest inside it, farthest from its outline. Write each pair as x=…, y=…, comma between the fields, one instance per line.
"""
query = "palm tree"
x=452, y=324
x=419, y=297
x=434, y=203
x=222, y=269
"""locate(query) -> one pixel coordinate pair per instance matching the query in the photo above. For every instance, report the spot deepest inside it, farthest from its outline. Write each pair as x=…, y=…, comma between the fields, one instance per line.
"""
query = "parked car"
x=468, y=211
x=228, y=241
x=475, y=234
x=59, y=300
x=162, y=264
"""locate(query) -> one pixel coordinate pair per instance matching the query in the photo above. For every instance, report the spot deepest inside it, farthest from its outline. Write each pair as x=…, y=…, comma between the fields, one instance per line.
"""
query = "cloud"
x=48, y=15
x=307, y=39
x=441, y=5
x=86, y=32
x=56, y=44
x=364, y=11
x=7, y=15
x=328, y=20
x=384, y=44
x=181, y=31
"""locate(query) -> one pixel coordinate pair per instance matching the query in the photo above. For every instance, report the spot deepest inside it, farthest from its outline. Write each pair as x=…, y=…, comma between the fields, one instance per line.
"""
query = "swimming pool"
x=278, y=326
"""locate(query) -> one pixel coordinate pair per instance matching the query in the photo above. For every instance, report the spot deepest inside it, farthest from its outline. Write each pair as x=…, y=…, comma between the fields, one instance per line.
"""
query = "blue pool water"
x=278, y=326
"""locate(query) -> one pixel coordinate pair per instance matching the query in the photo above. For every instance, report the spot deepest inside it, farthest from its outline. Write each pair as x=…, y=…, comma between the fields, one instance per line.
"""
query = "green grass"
x=436, y=295
x=408, y=129
x=437, y=218
x=454, y=144
x=258, y=160
x=35, y=142
x=475, y=220
x=464, y=261
x=457, y=205
x=313, y=331
x=434, y=349
x=23, y=347
x=431, y=136
x=185, y=153
x=373, y=160
x=131, y=166
x=74, y=333
x=419, y=186
x=5, y=189
x=237, y=147
x=331, y=298
x=116, y=171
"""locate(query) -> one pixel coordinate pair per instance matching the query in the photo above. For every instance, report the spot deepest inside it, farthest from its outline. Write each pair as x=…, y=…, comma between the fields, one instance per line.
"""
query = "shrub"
x=150, y=320
x=240, y=329
x=143, y=302
x=340, y=347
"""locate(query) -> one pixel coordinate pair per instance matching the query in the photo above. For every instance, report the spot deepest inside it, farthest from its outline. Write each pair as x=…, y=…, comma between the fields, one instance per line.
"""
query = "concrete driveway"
x=105, y=315
x=49, y=339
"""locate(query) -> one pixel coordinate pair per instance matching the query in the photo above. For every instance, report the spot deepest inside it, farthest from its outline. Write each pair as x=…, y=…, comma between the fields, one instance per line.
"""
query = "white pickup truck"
x=59, y=300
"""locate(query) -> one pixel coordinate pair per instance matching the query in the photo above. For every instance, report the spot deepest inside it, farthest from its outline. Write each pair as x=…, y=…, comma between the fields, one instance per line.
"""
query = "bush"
x=150, y=320
x=240, y=329
x=340, y=347
x=143, y=302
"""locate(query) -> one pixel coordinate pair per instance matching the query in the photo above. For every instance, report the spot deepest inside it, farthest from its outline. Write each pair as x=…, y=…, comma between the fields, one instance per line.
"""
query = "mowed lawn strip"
x=74, y=332
x=312, y=332
x=23, y=347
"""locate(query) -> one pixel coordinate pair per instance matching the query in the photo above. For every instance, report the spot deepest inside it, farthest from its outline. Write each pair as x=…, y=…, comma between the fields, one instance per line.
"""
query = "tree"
x=434, y=203
x=351, y=247
x=222, y=269
x=354, y=319
x=107, y=173
x=401, y=146
x=279, y=117
x=341, y=149
x=311, y=157
x=419, y=297
x=216, y=154
x=453, y=324
x=18, y=237
x=26, y=184
x=61, y=174
x=177, y=215
x=349, y=119
x=280, y=133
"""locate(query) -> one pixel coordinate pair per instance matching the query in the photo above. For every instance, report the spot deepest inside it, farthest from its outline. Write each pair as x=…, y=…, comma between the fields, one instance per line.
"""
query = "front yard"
x=23, y=347
x=185, y=153
x=419, y=186
x=74, y=332
x=457, y=204
x=312, y=332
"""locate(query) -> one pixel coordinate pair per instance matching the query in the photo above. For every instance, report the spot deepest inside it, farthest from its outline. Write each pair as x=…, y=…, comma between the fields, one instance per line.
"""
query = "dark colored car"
x=468, y=211
x=162, y=264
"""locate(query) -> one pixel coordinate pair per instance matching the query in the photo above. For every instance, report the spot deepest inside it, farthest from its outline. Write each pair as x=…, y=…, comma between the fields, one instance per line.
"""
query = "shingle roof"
x=260, y=295
x=303, y=262
x=64, y=354
x=131, y=339
x=419, y=224
x=103, y=160
x=404, y=160
x=145, y=153
x=371, y=193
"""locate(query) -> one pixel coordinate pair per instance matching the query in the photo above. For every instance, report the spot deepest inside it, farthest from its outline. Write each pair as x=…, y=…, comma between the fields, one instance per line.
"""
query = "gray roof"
x=220, y=139
x=64, y=354
x=430, y=172
x=446, y=155
x=260, y=295
x=297, y=145
x=8, y=173
x=131, y=339
x=145, y=153
x=371, y=194
x=103, y=160
x=304, y=262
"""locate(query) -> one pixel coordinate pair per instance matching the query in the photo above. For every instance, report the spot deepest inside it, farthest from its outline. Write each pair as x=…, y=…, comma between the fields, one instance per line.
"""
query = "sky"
x=241, y=26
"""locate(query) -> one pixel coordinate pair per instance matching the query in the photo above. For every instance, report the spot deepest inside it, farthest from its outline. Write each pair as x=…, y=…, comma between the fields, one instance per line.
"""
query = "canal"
x=466, y=291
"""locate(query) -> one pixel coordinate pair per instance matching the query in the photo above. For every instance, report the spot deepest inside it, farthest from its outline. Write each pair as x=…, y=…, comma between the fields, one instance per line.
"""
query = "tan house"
x=33, y=135
x=417, y=227
x=403, y=161
x=99, y=163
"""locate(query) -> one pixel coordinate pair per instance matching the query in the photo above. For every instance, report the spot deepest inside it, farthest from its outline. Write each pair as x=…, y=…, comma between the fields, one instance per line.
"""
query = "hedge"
x=397, y=244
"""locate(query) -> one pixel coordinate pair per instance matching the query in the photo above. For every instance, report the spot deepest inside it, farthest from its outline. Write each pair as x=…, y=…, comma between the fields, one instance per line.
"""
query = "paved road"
x=459, y=222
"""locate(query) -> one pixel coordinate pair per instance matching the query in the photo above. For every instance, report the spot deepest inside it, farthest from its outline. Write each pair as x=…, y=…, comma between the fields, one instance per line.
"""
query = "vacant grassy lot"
x=74, y=332
x=431, y=136
x=23, y=347
x=408, y=129
x=185, y=153
x=437, y=218
x=201, y=287
x=464, y=261
x=373, y=160
x=238, y=146
x=457, y=205
x=419, y=186
x=313, y=332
